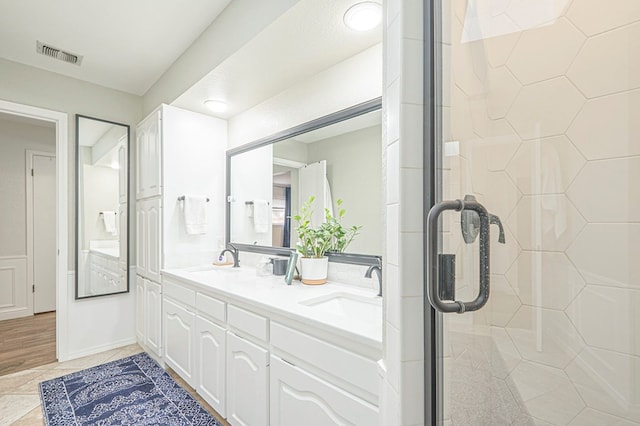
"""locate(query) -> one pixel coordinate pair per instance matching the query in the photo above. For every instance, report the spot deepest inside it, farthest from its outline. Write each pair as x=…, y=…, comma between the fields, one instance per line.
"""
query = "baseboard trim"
x=97, y=349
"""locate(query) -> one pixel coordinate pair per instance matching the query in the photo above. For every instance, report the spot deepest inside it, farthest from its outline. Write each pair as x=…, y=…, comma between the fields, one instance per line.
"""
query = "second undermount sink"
x=348, y=305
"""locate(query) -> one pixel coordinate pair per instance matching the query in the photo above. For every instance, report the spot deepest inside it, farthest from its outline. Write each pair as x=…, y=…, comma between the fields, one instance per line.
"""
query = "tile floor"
x=19, y=395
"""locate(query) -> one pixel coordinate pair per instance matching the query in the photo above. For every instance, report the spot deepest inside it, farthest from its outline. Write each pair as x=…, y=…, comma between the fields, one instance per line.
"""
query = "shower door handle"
x=433, y=279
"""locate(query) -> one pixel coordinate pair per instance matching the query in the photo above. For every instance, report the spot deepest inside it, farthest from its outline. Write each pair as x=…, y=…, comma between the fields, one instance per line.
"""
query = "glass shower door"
x=537, y=118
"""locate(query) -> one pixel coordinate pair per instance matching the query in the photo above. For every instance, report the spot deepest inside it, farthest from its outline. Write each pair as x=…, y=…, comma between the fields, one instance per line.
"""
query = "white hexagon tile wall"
x=547, y=122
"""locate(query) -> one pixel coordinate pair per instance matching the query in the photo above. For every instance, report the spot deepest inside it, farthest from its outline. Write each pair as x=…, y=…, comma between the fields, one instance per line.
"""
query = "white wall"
x=89, y=325
x=186, y=133
x=15, y=139
x=402, y=387
x=348, y=83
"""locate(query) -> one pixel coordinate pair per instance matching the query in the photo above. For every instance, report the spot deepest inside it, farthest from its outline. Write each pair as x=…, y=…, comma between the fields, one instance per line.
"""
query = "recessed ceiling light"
x=216, y=106
x=363, y=16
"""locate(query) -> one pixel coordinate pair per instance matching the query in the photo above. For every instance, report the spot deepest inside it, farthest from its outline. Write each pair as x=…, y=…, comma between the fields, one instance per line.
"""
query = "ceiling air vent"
x=59, y=54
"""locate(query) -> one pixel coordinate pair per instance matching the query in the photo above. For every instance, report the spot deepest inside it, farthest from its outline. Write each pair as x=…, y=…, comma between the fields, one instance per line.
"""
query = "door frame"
x=30, y=233
x=60, y=120
x=433, y=379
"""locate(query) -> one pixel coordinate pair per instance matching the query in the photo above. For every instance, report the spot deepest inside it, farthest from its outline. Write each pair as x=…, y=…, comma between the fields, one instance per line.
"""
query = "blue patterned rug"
x=129, y=391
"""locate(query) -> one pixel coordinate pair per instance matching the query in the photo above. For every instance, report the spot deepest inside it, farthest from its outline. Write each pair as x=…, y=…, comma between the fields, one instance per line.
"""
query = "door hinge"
x=33, y=288
x=31, y=172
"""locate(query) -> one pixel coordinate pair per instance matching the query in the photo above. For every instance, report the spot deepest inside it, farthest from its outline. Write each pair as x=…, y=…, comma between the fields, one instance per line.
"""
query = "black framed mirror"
x=335, y=157
x=102, y=214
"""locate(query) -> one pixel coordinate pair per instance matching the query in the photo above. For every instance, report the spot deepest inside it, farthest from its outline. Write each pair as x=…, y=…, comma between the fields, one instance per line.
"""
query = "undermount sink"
x=208, y=268
x=348, y=305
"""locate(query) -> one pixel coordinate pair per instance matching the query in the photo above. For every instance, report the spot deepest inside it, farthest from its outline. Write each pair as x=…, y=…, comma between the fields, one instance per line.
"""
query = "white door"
x=313, y=182
x=546, y=137
x=44, y=232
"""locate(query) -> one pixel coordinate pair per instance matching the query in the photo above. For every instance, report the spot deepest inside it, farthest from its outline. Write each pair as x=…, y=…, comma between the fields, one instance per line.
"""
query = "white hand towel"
x=261, y=216
x=109, y=220
x=195, y=214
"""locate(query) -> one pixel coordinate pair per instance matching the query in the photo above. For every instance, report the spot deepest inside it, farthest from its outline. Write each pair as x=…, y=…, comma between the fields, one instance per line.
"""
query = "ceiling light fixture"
x=216, y=106
x=363, y=16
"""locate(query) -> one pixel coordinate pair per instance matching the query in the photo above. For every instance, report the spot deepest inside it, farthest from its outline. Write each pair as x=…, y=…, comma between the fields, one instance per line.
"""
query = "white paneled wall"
x=402, y=384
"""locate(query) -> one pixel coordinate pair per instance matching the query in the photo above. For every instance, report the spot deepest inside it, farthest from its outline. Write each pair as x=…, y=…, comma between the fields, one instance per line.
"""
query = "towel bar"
x=181, y=198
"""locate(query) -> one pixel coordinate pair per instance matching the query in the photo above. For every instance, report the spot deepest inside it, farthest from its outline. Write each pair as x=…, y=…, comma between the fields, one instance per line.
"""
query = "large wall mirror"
x=337, y=157
x=102, y=231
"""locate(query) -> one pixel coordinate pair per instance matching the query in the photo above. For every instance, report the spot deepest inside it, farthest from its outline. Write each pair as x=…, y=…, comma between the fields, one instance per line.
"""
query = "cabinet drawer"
x=252, y=324
x=210, y=307
x=180, y=293
x=338, y=362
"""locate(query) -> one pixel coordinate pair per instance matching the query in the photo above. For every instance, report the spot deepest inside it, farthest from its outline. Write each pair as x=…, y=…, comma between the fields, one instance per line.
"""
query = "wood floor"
x=27, y=342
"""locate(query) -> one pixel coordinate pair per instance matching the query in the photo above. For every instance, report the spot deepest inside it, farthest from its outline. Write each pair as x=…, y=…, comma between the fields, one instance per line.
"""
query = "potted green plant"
x=315, y=241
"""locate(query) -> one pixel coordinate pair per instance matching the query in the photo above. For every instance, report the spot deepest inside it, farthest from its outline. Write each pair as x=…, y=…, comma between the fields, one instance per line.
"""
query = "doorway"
x=532, y=265
x=58, y=211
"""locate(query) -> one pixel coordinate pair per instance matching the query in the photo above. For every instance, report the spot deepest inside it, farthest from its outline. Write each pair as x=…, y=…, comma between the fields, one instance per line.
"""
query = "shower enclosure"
x=536, y=122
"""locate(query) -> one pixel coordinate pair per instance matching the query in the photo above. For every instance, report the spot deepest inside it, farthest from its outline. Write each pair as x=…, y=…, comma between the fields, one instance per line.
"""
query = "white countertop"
x=270, y=293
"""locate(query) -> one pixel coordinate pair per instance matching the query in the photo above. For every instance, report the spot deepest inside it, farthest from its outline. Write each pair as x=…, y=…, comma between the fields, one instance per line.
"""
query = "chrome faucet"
x=234, y=253
x=378, y=269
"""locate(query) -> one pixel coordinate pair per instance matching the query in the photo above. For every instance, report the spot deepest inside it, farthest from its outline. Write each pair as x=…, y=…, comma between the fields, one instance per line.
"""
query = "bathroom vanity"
x=260, y=352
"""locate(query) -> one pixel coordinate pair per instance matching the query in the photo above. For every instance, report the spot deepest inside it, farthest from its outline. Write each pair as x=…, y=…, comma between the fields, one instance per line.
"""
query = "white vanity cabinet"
x=123, y=244
x=176, y=155
x=148, y=156
x=148, y=319
x=257, y=367
x=247, y=382
x=315, y=382
x=148, y=228
x=301, y=398
x=211, y=351
x=123, y=172
x=179, y=339
x=152, y=318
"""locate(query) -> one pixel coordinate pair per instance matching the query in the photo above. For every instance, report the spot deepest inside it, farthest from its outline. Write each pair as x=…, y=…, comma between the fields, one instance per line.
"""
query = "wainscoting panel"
x=13, y=287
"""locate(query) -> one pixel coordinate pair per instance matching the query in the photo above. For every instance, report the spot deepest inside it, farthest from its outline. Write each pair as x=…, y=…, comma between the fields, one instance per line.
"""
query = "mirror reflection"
x=268, y=184
x=102, y=226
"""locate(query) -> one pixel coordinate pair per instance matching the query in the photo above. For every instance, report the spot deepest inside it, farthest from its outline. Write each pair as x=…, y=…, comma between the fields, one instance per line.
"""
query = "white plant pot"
x=314, y=270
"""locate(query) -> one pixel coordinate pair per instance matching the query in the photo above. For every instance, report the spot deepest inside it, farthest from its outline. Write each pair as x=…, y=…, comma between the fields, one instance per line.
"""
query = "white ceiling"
x=126, y=44
x=307, y=39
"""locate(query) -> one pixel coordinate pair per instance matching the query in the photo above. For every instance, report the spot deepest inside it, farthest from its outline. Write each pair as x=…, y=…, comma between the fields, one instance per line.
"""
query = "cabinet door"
x=123, y=243
x=210, y=363
x=140, y=309
x=153, y=240
x=179, y=340
x=141, y=239
x=123, y=171
x=247, y=382
x=153, y=159
x=153, y=316
x=300, y=398
x=141, y=148
x=148, y=148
